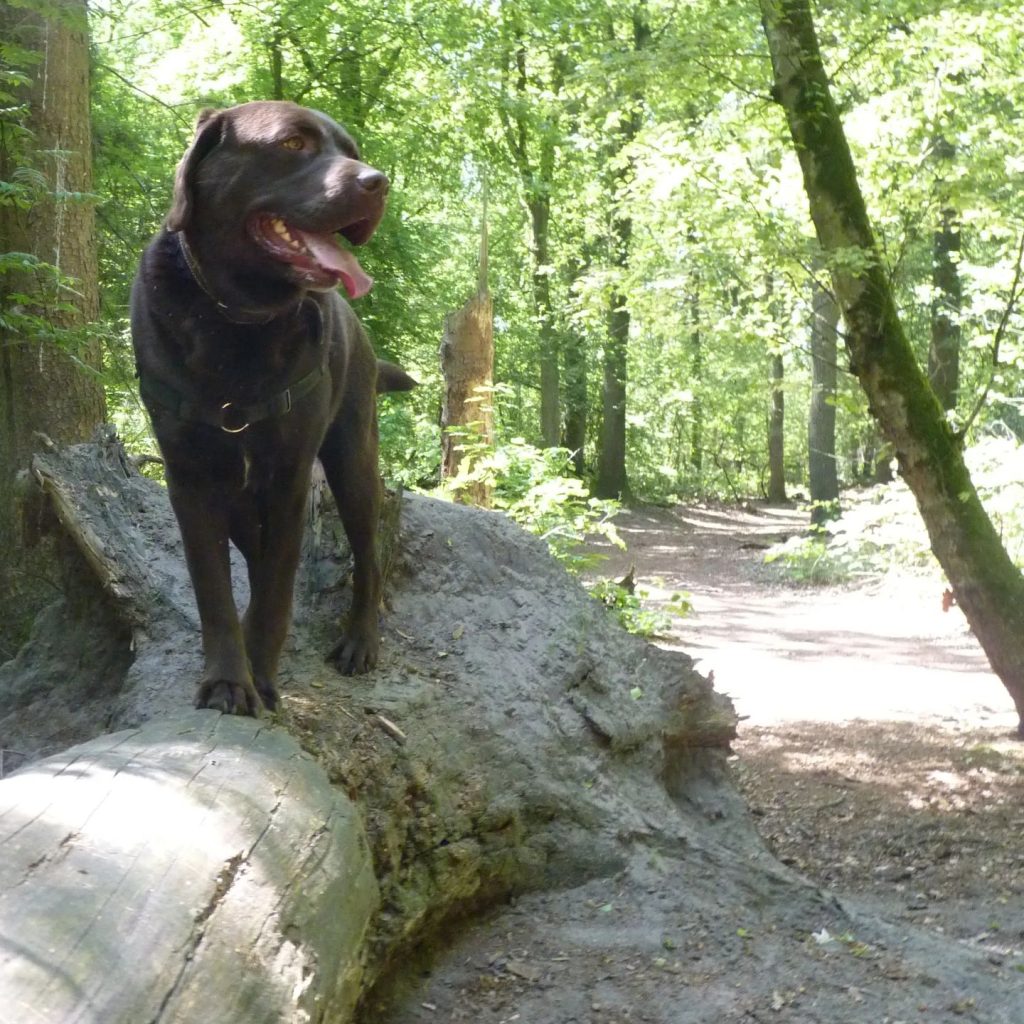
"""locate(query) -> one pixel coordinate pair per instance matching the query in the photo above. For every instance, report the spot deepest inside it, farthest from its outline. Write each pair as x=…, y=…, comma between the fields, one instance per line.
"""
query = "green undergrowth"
x=879, y=530
x=535, y=487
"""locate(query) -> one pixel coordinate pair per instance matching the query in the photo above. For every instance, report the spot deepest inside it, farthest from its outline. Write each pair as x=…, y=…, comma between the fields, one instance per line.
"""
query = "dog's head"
x=278, y=183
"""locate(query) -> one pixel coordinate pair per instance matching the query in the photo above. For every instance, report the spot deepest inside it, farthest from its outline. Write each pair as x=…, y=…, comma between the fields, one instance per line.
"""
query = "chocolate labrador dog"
x=251, y=366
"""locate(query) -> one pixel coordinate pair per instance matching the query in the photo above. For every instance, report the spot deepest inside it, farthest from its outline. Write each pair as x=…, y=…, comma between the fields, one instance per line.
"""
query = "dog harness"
x=229, y=417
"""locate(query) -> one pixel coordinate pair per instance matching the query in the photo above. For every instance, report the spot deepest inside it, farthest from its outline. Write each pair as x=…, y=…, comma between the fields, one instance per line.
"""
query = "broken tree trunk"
x=467, y=363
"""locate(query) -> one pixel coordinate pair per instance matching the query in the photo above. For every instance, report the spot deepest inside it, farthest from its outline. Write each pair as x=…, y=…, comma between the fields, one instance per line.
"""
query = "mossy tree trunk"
x=944, y=348
x=987, y=585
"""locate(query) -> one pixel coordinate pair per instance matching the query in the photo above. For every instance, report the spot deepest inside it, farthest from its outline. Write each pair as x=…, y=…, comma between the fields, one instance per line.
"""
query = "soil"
x=876, y=755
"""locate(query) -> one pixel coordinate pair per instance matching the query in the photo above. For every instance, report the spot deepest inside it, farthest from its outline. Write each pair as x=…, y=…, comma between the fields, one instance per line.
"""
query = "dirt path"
x=885, y=651
x=875, y=748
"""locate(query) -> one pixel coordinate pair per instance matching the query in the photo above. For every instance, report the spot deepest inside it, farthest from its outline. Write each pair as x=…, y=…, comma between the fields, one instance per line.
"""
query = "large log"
x=513, y=737
x=200, y=868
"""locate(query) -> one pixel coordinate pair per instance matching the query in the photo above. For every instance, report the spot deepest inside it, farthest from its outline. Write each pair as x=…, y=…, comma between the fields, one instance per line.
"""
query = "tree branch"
x=1015, y=290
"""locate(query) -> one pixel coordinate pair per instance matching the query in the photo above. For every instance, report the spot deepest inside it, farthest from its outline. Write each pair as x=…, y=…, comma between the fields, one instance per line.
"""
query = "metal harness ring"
x=225, y=409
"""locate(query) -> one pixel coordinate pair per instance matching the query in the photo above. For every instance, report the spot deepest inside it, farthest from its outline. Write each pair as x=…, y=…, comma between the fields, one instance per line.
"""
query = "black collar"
x=236, y=314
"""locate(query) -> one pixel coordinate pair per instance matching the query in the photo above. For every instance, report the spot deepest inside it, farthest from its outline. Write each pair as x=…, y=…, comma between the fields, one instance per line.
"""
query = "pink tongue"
x=331, y=256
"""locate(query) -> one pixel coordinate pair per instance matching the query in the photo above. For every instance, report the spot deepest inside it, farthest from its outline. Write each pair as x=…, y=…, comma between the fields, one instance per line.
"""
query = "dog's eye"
x=294, y=142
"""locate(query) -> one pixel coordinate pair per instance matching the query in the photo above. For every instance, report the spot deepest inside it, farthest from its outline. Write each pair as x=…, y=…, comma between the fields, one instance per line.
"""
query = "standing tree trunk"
x=537, y=176
x=696, y=379
x=777, y=417
x=540, y=220
x=612, y=480
x=467, y=362
x=944, y=350
x=777, y=435
x=44, y=388
x=574, y=353
x=821, y=419
x=988, y=586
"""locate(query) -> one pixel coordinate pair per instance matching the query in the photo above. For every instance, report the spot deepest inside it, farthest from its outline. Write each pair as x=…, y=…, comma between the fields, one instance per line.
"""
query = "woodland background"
x=663, y=326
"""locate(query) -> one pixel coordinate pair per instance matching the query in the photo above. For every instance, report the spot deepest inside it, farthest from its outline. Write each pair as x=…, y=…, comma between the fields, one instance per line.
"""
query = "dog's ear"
x=209, y=128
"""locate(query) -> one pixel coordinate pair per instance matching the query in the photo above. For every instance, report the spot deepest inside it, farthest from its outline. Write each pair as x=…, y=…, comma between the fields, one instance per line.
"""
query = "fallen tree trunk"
x=201, y=868
x=504, y=691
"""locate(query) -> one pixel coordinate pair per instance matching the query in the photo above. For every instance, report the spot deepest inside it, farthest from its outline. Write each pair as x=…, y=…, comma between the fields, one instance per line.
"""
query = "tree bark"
x=46, y=389
x=988, y=586
x=777, y=434
x=467, y=363
x=821, y=420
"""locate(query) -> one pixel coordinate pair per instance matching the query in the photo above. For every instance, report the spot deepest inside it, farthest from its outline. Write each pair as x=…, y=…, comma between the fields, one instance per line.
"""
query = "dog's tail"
x=392, y=378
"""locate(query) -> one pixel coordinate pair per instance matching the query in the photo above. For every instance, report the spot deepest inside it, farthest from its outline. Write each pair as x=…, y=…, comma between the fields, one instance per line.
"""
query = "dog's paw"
x=228, y=698
x=268, y=694
x=354, y=654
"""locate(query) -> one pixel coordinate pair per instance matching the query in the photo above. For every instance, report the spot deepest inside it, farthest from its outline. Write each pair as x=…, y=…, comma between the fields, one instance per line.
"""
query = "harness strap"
x=229, y=417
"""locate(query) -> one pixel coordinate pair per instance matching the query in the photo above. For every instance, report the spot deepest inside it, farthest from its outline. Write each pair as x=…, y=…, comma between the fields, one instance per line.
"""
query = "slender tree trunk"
x=43, y=388
x=777, y=434
x=821, y=420
x=276, y=66
x=944, y=350
x=537, y=177
x=540, y=221
x=988, y=586
x=612, y=480
x=574, y=358
x=467, y=363
x=696, y=379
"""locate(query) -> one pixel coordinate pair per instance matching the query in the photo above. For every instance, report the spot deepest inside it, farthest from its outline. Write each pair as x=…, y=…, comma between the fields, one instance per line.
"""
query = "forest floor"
x=875, y=753
x=875, y=748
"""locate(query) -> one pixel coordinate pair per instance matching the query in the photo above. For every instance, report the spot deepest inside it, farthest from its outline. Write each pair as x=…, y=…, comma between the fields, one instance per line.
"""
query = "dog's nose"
x=373, y=181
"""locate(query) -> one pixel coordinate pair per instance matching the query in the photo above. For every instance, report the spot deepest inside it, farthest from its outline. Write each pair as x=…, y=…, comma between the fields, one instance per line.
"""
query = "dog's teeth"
x=282, y=229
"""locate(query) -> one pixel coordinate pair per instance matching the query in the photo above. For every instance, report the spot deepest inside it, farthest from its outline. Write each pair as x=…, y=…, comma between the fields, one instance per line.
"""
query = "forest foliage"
x=557, y=107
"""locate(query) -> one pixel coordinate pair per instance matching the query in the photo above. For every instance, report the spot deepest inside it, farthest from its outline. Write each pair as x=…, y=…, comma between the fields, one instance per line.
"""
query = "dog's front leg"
x=226, y=684
x=349, y=458
x=272, y=567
